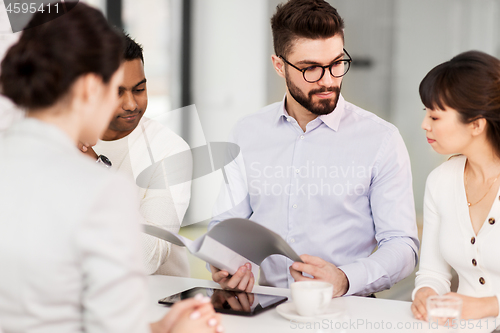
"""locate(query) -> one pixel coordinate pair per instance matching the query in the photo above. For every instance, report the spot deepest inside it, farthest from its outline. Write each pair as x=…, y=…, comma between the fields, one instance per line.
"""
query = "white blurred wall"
x=229, y=57
x=229, y=78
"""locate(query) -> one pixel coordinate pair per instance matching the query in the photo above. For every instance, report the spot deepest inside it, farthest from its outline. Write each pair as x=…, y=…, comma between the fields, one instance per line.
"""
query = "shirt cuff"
x=356, y=275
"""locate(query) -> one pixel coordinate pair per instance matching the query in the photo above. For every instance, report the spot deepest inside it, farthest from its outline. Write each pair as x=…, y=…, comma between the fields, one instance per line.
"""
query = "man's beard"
x=322, y=107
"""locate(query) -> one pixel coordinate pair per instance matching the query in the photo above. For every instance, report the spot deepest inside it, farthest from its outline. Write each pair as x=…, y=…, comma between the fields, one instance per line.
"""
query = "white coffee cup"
x=311, y=297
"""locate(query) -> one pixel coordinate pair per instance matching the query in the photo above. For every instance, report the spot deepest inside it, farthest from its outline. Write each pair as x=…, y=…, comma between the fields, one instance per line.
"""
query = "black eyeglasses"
x=315, y=73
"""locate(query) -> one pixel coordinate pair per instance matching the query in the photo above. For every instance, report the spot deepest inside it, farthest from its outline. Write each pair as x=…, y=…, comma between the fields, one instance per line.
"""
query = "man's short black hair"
x=133, y=50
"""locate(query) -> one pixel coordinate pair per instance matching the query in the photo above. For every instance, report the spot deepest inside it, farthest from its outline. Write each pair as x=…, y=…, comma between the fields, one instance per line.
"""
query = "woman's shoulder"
x=447, y=171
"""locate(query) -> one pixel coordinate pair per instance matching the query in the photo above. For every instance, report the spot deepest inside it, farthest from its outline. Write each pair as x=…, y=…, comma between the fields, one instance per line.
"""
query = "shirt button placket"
x=474, y=261
x=481, y=280
x=294, y=182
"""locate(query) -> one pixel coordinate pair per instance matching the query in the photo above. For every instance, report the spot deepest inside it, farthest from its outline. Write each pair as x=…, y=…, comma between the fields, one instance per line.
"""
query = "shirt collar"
x=282, y=115
x=332, y=120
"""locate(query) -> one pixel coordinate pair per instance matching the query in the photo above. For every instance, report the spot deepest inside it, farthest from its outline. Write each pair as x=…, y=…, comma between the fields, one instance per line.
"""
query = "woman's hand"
x=86, y=148
x=419, y=305
x=192, y=315
x=477, y=307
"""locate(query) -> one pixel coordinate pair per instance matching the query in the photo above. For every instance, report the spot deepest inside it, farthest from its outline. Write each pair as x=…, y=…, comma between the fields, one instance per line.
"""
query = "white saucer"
x=288, y=311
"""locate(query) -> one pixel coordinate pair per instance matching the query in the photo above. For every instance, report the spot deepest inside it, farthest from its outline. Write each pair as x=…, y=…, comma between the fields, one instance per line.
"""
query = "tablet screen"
x=230, y=302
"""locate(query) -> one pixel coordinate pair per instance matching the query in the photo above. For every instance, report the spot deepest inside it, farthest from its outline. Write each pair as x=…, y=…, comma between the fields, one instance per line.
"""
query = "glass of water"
x=444, y=311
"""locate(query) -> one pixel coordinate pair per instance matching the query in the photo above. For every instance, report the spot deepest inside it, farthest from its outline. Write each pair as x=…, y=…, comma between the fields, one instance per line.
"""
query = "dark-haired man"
x=134, y=143
x=331, y=178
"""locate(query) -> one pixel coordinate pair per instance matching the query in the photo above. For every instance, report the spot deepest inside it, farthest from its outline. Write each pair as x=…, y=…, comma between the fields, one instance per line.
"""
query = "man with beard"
x=332, y=179
x=133, y=144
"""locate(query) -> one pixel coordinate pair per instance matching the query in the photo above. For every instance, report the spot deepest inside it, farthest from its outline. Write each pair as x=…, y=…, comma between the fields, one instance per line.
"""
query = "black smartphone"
x=230, y=302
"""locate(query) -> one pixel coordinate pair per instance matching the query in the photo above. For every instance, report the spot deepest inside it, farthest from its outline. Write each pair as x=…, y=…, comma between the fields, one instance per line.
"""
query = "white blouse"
x=450, y=241
x=69, y=239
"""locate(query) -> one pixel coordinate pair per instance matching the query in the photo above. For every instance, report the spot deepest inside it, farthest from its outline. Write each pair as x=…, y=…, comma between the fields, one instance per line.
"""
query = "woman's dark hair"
x=470, y=84
x=304, y=19
x=41, y=67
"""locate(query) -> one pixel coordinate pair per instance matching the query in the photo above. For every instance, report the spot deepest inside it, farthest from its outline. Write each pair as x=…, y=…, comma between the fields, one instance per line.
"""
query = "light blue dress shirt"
x=336, y=191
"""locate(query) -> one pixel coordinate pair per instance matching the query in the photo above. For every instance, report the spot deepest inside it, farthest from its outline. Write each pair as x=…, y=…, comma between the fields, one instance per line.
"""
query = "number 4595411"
x=32, y=8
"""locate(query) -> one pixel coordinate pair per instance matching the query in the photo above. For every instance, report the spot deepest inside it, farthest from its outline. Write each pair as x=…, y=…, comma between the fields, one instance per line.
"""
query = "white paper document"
x=231, y=244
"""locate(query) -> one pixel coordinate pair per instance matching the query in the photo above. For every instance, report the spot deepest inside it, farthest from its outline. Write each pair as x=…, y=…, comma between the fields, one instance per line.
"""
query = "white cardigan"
x=69, y=239
x=449, y=240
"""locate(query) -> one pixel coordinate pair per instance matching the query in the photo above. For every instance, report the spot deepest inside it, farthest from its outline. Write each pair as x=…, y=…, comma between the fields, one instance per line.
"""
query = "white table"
x=363, y=314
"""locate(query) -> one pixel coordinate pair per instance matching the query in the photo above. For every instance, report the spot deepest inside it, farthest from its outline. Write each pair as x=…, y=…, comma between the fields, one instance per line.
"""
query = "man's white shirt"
x=161, y=204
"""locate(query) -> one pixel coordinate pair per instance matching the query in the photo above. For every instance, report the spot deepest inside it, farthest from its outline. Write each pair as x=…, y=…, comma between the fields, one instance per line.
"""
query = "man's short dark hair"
x=311, y=19
x=133, y=50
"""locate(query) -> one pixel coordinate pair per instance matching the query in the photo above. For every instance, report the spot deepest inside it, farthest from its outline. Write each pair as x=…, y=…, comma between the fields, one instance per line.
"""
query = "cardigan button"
x=474, y=262
x=473, y=240
x=491, y=220
x=481, y=280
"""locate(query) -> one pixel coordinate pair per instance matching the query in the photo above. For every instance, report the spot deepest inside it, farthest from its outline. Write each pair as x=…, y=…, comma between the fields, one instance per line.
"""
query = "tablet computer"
x=230, y=302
